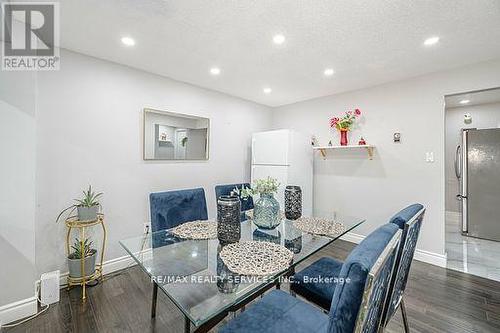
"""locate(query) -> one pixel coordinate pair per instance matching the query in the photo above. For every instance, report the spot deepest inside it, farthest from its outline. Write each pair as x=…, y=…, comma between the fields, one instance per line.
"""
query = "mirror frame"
x=175, y=114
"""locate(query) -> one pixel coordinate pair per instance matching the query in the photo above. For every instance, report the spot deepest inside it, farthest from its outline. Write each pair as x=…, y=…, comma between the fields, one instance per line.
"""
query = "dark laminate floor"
x=438, y=300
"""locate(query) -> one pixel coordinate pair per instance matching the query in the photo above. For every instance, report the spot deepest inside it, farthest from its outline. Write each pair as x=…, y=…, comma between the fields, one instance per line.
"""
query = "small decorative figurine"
x=314, y=141
x=330, y=143
x=362, y=142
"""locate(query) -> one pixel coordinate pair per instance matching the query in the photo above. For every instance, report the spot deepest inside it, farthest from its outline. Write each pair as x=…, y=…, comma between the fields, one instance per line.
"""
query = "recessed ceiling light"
x=129, y=41
x=215, y=70
x=431, y=41
x=329, y=72
x=465, y=101
x=278, y=39
x=267, y=90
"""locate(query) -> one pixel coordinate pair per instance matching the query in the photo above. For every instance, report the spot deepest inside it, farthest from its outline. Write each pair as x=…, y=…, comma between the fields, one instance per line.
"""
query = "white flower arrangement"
x=267, y=185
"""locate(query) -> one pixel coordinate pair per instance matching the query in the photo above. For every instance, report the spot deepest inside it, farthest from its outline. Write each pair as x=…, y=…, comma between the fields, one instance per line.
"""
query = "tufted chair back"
x=358, y=301
x=172, y=208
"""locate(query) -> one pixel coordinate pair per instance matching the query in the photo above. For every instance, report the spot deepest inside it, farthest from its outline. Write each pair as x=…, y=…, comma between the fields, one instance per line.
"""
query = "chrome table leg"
x=405, y=317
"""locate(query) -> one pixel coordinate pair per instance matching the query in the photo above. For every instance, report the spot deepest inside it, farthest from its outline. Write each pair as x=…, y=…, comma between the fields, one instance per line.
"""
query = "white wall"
x=196, y=144
x=398, y=175
x=483, y=116
x=17, y=183
x=89, y=131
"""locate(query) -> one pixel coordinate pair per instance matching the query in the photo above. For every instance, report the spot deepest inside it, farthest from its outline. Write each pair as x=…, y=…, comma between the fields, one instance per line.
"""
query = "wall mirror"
x=175, y=136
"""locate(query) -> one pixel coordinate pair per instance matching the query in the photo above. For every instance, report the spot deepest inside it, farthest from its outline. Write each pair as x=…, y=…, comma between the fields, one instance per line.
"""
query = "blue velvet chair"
x=171, y=208
x=357, y=303
x=410, y=221
x=246, y=204
x=321, y=294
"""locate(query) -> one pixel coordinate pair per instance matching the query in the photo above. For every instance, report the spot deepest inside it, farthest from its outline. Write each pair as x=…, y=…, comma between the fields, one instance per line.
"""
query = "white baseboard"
x=353, y=238
x=431, y=258
x=18, y=310
x=420, y=255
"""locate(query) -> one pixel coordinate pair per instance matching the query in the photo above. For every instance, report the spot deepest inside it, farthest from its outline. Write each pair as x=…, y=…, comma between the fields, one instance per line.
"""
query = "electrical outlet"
x=429, y=157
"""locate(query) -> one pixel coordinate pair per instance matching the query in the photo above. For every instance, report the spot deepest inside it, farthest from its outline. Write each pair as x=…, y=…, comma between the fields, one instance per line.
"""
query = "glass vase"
x=266, y=212
x=343, y=137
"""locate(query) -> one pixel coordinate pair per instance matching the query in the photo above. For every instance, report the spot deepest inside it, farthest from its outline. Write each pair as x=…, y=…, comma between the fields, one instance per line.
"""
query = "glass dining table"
x=193, y=276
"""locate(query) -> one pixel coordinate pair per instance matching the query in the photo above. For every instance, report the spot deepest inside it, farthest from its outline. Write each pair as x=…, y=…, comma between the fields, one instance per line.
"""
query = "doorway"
x=472, y=171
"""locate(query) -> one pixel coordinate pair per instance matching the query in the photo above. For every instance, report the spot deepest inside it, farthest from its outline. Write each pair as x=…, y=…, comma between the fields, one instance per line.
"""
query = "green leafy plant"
x=90, y=199
x=77, y=249
x=184, y=141
x=267, y=185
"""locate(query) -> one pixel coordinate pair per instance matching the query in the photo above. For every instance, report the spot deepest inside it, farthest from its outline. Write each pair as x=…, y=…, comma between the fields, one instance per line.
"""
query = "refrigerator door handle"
x=463, y=180
x=458, y=162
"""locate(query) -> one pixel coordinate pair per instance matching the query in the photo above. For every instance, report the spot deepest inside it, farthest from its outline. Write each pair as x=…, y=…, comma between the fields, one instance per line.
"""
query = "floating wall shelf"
x=369, y=149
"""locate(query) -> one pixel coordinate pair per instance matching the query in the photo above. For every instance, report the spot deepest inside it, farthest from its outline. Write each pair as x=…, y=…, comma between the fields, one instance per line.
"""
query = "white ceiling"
x=475, y=98
x=366, y=42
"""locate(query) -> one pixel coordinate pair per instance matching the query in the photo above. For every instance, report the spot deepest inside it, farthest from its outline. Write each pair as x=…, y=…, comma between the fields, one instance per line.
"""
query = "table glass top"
x=194, y=277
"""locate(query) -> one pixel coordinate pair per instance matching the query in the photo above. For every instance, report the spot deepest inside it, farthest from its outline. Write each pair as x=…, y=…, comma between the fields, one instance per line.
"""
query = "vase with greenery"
x=82, y=250
x=87, y=207
x=266, y=213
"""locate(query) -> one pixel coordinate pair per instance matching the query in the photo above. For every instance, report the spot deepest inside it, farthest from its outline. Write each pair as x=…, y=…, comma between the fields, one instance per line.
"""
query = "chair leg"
x=153, y=301
x=405, y=317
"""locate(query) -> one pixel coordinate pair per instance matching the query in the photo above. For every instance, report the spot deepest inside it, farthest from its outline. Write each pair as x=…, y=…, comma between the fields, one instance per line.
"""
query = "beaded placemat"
x=201, y=229
x=319, y=226
x=256, y=258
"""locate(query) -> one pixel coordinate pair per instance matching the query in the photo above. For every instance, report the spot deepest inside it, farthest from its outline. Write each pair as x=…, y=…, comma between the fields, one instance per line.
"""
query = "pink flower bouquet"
x=345, y=123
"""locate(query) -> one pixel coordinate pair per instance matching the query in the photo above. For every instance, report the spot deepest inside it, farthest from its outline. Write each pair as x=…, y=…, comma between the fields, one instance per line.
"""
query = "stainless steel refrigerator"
x=477, y=166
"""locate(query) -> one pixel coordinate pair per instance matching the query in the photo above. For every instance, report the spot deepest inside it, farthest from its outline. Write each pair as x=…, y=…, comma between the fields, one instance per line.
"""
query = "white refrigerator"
x=286, y=155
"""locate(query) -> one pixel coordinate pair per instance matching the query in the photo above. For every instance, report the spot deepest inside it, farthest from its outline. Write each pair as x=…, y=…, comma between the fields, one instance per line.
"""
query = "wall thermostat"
x=397, y=137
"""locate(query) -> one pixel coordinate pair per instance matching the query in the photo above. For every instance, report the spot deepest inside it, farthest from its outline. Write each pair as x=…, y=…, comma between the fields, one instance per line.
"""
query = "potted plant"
x=184, y=141
x=266, y=213
x=87, y=207
x=344, y=124
x=89, y=256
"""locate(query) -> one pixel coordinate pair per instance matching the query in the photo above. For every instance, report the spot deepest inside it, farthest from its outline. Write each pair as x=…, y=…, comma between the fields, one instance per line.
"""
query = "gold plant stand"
x=72, y=222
